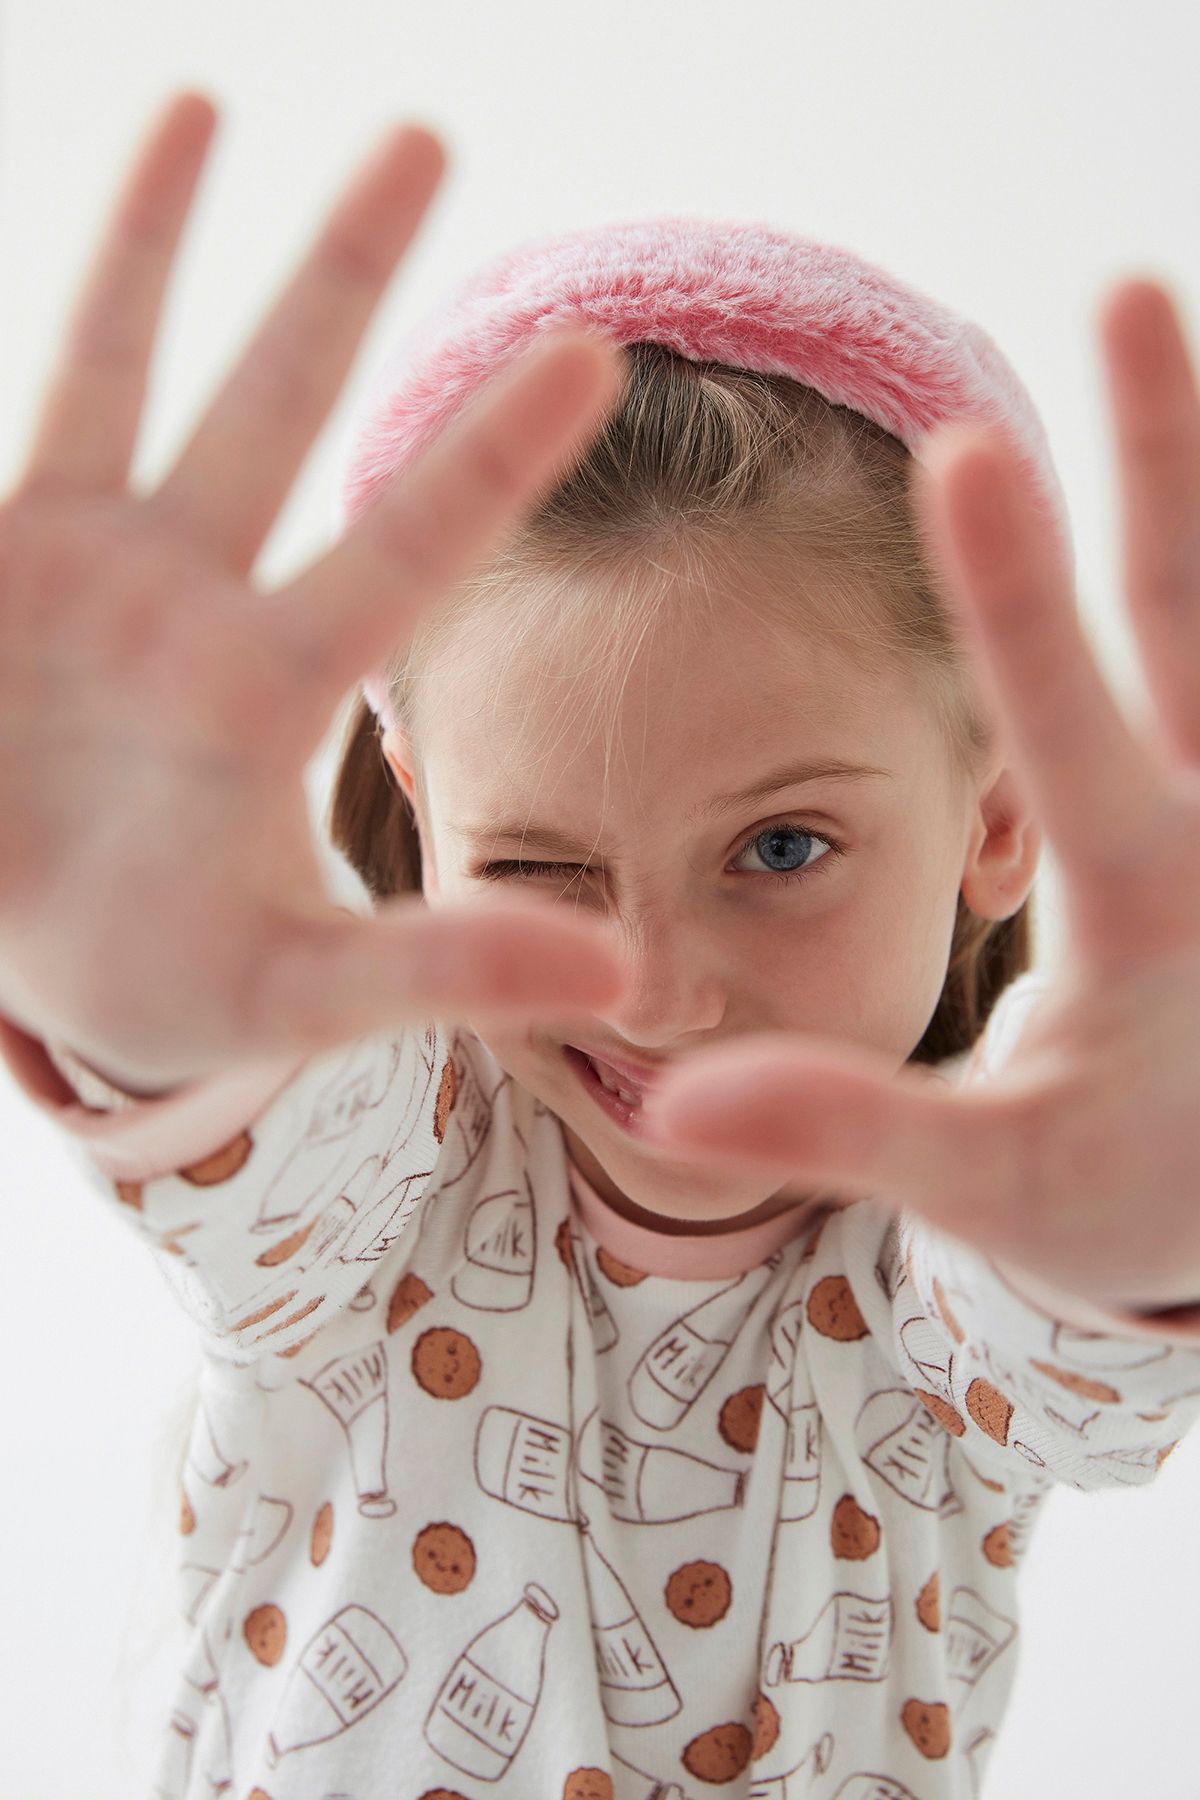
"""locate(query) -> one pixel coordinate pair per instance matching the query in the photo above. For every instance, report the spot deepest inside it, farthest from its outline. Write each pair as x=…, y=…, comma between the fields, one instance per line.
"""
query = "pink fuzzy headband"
x=742, y=294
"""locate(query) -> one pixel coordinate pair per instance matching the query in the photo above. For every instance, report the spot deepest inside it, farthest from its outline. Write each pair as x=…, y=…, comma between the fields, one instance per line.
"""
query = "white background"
x=1013, y=159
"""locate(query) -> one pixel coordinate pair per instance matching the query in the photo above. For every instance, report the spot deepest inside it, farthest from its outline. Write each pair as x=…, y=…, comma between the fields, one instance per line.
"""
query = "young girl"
x=552, y=1442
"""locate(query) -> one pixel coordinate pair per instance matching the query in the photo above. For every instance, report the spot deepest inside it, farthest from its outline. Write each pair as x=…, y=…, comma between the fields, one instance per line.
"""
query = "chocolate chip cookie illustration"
x=187, y=1518
x=408, y=1296
x=740, y=1418
x=322, y=1535
x=997, y=1546
x=766, y=1727
x=929, y=1603
x=446, y=1363
x=288, y=1246
x=699, y=1594
x=619, y=1273
x=720, y=1754
x=833, y=1310
x=222, y=1165
x=444, y=1558
x=588, y=1784
x=927, y=1723
x=853, y=1533
x=990, y=1409
x=265, y=1632
x=447, y=1094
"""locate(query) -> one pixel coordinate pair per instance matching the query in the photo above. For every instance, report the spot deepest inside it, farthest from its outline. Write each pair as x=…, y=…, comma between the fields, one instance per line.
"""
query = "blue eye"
x=770, y=834
x=775, y=836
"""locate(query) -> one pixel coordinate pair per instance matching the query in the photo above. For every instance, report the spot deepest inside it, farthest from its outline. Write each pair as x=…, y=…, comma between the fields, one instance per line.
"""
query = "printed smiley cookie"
x=853, y=1533
x=699, y=1593
x=447, y=1094
x=587, y=1784
x=833, y=1310
x=265, y=1632
x=720, y=1754
x=222, y=1165
x=929, y=1603
x=927, y=1723
x=619, y=1273
x=444, y=1558
x=446, y=1363
x=740, y=1418
x=322, y=1535
x=408, y=1296
x=766, y=1727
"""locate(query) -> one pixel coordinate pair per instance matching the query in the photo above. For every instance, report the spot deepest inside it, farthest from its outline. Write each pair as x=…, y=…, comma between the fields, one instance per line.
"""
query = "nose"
x=676, y=982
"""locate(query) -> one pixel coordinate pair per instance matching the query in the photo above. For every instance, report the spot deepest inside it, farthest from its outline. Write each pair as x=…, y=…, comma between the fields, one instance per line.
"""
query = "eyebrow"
x=546, y=837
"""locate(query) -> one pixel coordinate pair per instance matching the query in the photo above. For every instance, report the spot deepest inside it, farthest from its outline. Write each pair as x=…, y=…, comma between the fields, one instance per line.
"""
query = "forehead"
x=700, y=706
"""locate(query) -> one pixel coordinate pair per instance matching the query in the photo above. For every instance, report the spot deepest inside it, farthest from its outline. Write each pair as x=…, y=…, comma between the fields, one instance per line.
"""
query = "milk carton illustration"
x=500, y=1245
x=354, y=1388
x=346, y=1668
x=849, y=1641
x=651, y=1484
x=635, y=1687
x=526, y=1462
x=677, y=1367
x=485, y=1706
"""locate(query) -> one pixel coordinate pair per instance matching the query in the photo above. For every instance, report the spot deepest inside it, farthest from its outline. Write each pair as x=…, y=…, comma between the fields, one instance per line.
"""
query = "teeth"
x=609, y=1079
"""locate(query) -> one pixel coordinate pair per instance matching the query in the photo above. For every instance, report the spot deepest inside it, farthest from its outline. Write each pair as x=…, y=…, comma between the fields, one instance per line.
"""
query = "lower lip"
x=628, y=1117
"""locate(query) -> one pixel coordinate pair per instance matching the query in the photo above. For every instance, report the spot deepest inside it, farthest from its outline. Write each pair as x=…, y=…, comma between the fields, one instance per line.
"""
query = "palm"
x=1081, y=1162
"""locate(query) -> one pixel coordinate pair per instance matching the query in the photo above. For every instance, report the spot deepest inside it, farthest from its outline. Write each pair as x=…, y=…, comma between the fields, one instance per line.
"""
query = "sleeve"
x=265, y=1194
x=1085, y=1395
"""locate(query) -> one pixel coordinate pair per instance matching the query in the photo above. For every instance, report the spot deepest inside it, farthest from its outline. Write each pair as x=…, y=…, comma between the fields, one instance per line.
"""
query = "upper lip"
x=635, y=1075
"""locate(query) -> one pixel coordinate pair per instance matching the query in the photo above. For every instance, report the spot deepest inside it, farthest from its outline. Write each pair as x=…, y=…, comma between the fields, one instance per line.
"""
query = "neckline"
x=686, y=1256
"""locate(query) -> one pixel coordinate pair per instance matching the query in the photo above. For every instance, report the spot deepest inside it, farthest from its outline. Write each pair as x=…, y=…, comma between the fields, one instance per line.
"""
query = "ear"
x=1006, y=843
x=398, y=750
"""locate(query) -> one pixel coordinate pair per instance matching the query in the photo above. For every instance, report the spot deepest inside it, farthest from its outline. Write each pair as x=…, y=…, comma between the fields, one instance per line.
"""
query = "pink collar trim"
x=686, y=1257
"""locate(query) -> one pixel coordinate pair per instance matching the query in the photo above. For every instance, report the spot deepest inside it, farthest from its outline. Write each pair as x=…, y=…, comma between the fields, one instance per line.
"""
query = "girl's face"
x=686, y=875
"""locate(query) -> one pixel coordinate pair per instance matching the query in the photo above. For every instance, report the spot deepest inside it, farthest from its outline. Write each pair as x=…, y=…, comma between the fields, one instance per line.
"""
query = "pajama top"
x=492, y=1494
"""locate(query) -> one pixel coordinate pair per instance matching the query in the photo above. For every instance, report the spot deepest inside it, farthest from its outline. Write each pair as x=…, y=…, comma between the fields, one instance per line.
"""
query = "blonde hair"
x=701, y=476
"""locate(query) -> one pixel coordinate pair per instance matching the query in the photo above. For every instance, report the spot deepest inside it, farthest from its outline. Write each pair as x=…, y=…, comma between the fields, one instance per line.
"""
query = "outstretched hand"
x=1080, y=1161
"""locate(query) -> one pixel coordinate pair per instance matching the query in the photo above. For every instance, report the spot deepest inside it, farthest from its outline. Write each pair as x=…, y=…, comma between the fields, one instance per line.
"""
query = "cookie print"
x=407, y=1297
x=740, y=1418
x=588, y=1784
x=321, y=1535
x=619, y=1273
x=444, y=1558
x=854, y=1533
x=719, y=1754
x=446, y=1363
x=818, y=1467
x=766, y=1726
x=265, y=1632
x=699, y=1594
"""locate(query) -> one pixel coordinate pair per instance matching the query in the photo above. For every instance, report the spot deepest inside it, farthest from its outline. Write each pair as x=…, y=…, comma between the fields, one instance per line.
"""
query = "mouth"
x=611, y=1091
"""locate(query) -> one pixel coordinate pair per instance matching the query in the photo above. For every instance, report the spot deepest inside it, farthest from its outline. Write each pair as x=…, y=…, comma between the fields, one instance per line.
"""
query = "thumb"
x=831, y=1116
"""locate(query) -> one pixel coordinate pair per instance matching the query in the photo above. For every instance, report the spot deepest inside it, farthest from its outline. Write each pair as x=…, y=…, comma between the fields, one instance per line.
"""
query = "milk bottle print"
x=485, y=1706
x=354, y=1388
x=526, y=1462
x=635, y=1688
x=650, y=1484
x=346, y=1668
x=684, y=1357
x=500, y=1246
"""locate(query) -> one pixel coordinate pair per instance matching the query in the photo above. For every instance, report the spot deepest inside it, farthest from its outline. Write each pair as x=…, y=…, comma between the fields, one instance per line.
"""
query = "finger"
x=234, y=473
x=1097, y=788
x=348, y=612
x=87, y=429
x=834, y=1116
x=1155, y=404
x=327, y=981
